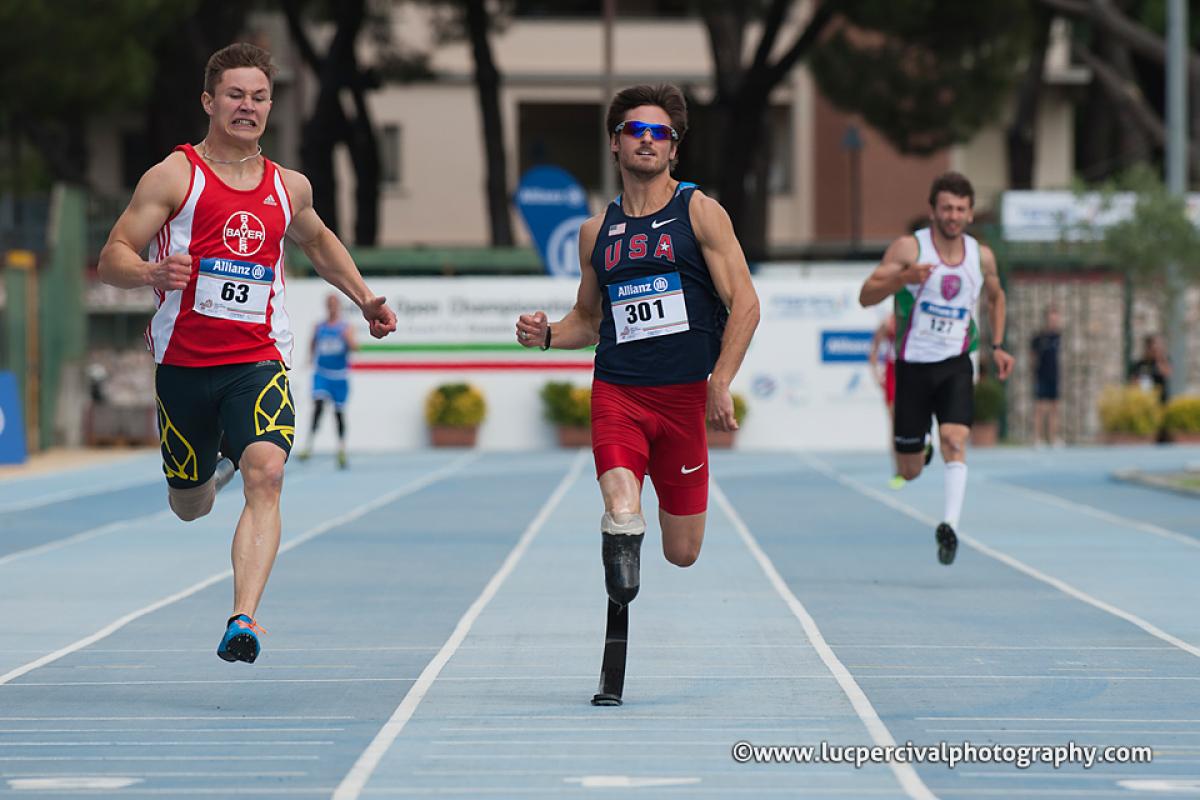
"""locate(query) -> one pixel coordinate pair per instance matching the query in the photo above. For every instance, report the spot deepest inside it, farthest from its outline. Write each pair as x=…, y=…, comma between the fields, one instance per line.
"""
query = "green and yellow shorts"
x=205, y=409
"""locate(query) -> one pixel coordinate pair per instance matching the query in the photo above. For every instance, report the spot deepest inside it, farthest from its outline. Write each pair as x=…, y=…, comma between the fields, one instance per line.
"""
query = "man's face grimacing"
x=241, y=103
x=952, y=214
x=644, y=155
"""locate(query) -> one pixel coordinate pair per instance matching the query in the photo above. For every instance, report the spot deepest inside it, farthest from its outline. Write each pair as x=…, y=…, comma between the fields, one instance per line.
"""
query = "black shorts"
x=944, y=388
x=203, y=409
x=1046, y=389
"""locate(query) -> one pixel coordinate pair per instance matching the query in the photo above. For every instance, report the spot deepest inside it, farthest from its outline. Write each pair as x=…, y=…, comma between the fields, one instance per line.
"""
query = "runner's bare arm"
x=159, y=192
x=897, y=269
x=581, y=325
x=731, y=276
x=330, y=257
x=996, y=309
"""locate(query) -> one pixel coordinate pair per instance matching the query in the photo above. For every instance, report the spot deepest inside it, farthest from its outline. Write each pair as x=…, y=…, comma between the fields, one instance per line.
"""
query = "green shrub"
x=1129, y=409
x=458, y=405
x=566, y=404
x=989, y=400
x=1183, y=414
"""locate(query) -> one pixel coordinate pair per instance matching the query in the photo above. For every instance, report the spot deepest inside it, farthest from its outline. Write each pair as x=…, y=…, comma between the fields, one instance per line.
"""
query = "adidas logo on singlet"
x=270, y=201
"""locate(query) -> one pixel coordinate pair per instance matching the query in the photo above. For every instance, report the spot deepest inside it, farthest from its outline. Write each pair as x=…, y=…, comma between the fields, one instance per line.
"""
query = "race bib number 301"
x=236, y=290
x=646, y=307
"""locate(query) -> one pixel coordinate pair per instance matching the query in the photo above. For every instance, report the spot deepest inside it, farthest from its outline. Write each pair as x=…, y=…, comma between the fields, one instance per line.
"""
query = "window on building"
x=567, y=135
x=389, y=152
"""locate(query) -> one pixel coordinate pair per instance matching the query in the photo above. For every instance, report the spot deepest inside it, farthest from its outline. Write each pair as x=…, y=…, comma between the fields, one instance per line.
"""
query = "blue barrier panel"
x=12, y=424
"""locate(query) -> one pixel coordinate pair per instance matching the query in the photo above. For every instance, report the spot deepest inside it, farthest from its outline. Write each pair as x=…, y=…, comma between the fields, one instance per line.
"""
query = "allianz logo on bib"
x=228, y=268
x=846, y=346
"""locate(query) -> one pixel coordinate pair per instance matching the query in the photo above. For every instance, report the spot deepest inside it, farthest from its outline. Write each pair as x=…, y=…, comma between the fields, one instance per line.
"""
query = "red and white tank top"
x=232, y=310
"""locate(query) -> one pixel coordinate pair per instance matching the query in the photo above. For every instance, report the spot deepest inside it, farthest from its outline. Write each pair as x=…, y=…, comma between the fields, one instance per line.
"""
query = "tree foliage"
x=68, y=60
x=925, y=74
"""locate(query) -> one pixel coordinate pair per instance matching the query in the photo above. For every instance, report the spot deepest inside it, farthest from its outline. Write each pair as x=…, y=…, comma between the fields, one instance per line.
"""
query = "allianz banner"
x=12, y=425
x=554, y=206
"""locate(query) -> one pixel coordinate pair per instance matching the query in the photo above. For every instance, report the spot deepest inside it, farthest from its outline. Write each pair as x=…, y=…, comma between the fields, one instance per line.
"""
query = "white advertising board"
x=805, y=377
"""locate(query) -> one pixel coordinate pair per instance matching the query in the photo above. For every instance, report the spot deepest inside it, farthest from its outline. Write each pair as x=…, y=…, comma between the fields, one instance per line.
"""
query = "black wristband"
x=546, y=344
x=997, y=345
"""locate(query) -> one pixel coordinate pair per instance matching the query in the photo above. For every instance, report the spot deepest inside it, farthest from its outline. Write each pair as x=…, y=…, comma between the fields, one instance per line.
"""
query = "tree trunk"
x=1022, y=133
x=487, y=83
x=364, y=150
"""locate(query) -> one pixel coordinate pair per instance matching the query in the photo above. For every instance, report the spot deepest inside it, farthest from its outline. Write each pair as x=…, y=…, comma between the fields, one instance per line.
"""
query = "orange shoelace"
x=252, y=625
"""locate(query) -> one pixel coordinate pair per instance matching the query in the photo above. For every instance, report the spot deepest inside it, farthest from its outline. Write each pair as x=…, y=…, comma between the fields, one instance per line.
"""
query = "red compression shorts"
x=659, y=431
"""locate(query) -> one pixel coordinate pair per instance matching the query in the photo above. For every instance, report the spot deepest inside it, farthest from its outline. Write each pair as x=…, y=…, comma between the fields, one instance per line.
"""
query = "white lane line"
x=908, y=778
x=72, y=494
x=311, y=533
x=1097, y=513
x=715, y=676
x=210, y=718
x=170, y=730
x=92, y=533
x=356, y=779
x=255, y=757
x=1004, y=558
x=83, y=536
x=223, y=743
x=1060, y=719
x=1064, y=730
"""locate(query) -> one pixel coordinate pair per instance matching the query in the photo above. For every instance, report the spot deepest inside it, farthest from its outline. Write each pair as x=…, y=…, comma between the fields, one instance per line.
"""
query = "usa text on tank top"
x=935, y=320
x=232, y=310
x=663, y=319
x=332, y=350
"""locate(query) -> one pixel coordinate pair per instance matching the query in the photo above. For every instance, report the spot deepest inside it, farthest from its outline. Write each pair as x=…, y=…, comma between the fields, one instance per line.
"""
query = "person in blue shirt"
x=332, y=342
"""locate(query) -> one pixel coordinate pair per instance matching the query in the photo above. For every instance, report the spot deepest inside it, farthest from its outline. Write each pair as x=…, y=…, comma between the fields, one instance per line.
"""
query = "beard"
x=643, y=169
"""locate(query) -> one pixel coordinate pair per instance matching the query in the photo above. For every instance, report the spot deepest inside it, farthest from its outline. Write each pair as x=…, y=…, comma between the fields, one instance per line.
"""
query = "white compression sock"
x=956, y=491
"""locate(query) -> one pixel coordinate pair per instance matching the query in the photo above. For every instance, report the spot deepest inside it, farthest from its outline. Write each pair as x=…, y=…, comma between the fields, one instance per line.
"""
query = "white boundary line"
x=71, y=494
x=1004, y=558
x=356, y=779
x=1107, y=516
x=83, y=536
x=103, y=530
x=912, y=784
x=308, y=535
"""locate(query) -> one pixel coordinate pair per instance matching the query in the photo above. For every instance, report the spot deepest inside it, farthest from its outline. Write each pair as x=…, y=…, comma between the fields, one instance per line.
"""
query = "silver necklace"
x=207, y=157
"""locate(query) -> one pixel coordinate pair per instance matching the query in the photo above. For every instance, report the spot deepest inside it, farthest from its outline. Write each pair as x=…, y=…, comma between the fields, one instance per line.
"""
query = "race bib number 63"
x=236, y=290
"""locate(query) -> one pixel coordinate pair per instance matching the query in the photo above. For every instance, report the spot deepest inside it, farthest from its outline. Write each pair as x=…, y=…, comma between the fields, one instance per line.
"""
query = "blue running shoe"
x=241, y=640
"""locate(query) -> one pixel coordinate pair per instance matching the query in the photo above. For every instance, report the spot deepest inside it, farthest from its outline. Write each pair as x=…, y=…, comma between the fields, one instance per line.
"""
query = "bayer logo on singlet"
x=660, y=284
x=562, y=248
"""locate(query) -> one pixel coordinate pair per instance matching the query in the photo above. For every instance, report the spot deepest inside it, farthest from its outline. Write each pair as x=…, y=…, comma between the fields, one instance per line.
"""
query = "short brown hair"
x=953, y=182
x=665, y=95
x=236, y=56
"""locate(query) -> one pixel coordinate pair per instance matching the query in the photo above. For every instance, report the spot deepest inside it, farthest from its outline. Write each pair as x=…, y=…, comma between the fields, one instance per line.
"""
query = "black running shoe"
x=622, y=554
x=947, y=544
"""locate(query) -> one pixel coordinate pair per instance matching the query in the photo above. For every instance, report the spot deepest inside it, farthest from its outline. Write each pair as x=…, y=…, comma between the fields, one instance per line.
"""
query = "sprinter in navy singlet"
x=665, y=294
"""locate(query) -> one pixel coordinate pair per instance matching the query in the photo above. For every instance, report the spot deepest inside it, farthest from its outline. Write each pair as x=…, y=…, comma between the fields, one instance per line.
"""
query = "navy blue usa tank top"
x=663, y=319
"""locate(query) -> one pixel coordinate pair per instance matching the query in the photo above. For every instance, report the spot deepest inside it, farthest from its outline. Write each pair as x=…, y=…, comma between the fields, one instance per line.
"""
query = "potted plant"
x=569, y=409
x=1182, y=418
x=989, y=405
x=1129, y=415
x=723, y=440
x=453, y=412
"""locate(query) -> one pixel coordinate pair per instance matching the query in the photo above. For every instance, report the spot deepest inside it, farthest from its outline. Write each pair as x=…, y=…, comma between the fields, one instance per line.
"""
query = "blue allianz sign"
x=554, y=206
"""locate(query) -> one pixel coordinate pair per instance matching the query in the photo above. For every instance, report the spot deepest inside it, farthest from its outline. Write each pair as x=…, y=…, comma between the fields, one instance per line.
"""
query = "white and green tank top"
x=935, y=320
